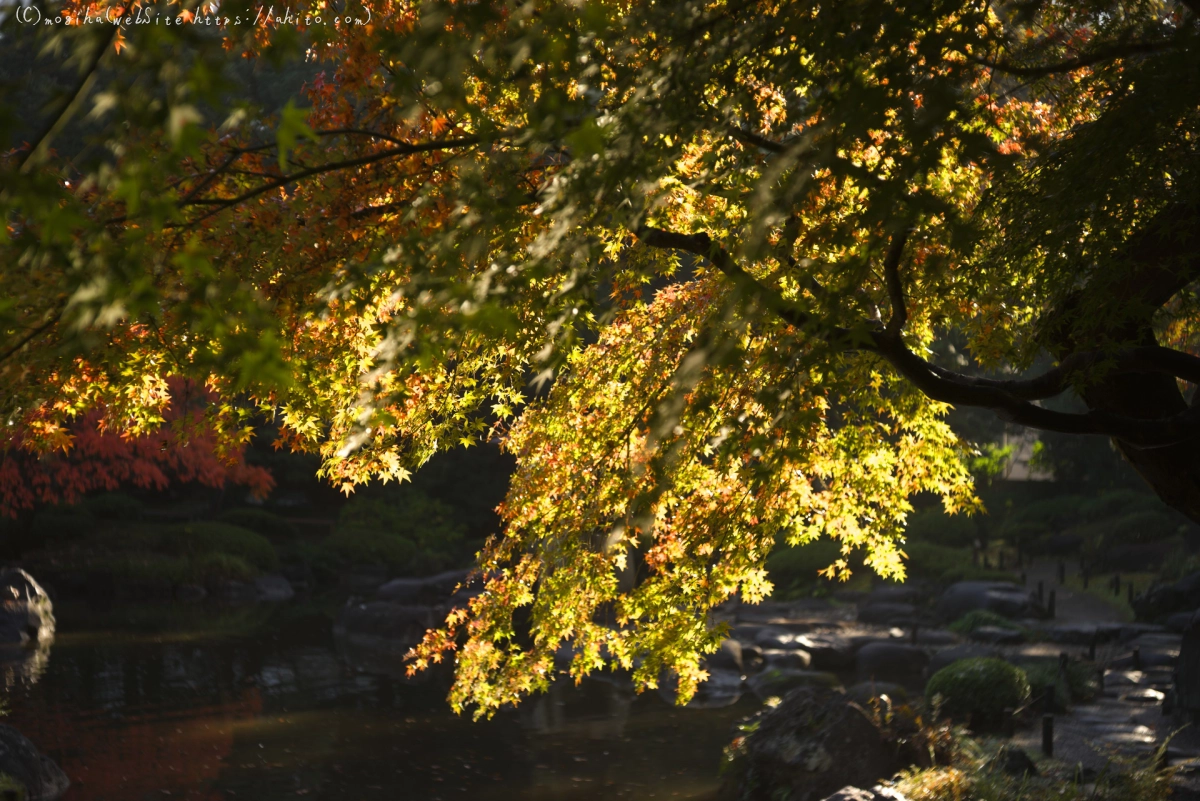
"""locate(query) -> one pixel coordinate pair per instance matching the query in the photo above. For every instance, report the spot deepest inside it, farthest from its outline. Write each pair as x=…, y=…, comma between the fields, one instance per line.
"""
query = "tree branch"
x=31, y=335
x=891, y=272
x=57, y=120
x=1072, y=64
x=1010, y=400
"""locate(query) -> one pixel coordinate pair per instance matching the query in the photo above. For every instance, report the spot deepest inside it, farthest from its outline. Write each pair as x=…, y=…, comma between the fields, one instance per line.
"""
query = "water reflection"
x=21, y=666
x=278, y=712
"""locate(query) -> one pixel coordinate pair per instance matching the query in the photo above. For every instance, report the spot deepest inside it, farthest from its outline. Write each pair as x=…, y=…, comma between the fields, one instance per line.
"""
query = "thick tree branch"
x=1100, y=56
x=891, y=272
x=1010, y=400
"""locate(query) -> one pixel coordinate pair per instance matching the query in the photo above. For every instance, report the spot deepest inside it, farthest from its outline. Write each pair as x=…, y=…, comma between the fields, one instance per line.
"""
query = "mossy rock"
x=977, y=691
x=780, y=681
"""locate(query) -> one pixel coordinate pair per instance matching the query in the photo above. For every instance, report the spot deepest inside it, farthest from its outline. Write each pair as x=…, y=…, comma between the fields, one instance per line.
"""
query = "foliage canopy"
x=686, y=260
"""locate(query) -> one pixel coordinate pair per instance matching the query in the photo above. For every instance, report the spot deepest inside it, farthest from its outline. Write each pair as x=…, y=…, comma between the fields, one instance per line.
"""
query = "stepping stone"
x=1132, y=729
x=1129, y=738
x=936, y=637
x=1156, y=641
x=778, y=658
x=1124, y=678
x=1144, y=696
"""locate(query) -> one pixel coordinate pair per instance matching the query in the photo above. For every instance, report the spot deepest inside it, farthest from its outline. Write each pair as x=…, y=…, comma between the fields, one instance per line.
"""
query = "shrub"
x=141, y=568
x=936, y=527
x=1076, y=683
x=972, y=573
x=259, y=520
x=8, y=784
x=365, y=546
x=60, y=524
x=1119, y=503
x=410, y=533
x=977, y=691
x=220, y=567
x=933, y=562
x=977, y=618
x=114, y=506
x=793, y=568
x=198, y=539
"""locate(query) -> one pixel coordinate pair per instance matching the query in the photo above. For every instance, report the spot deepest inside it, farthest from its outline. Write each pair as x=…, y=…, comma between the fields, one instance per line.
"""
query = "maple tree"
x=685, y=260
x=88, y=456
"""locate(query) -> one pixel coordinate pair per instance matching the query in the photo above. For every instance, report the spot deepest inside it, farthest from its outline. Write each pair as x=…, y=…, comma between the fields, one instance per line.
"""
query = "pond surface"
x=163, y=702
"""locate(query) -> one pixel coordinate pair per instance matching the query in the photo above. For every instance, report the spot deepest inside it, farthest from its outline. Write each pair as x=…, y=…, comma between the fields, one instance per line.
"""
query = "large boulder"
x=1001, y=597
x=828, y=651
x=383, y=625
x=780, y=681
x=26, y=613
x=273, y=589
x=1166, y=599
x=727, y=657
x=891, y=662
x=722, y=688
x=796, y=659
x=428, y=590
x=812, y=745
x=874, y=794
x=887, y=614
x=19, y=758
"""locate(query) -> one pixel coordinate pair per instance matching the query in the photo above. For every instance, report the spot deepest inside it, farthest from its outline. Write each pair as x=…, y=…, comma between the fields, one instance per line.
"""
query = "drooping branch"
x=59, y=119
x=1010, y=400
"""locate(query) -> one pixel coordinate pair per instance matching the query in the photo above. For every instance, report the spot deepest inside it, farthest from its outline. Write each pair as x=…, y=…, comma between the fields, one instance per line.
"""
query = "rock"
x=190, y=593
x=891, y=662
x=1182, y=621
x=779, y=682
x=827, y=651
x=444, y=583
x=727, y=657
x=998, y=635
x=1001, y=597
x=865, y=691
x=779, y=658
x=26, y=614
x=948, y=656
x=875, y=794
x=401, y=590
x=237, y=592
x=887, y=613
x=937, y=637
x=428, y=590
x=777, y=638
x=722, y=688
x=273, y=588
x=899, y=594
x=1081, y=633
x=1014, y=761
x=383, y=624
x=1131, y=631
x=752, y=658
x=19, y=758
x=812, y=745
x=362, y=579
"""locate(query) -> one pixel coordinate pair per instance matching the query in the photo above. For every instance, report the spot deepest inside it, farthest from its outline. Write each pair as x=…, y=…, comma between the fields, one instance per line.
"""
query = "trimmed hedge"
x=977, y=691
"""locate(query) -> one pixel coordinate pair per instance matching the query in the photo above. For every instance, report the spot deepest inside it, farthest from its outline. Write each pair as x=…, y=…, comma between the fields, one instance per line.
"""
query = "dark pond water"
x=162, y=702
